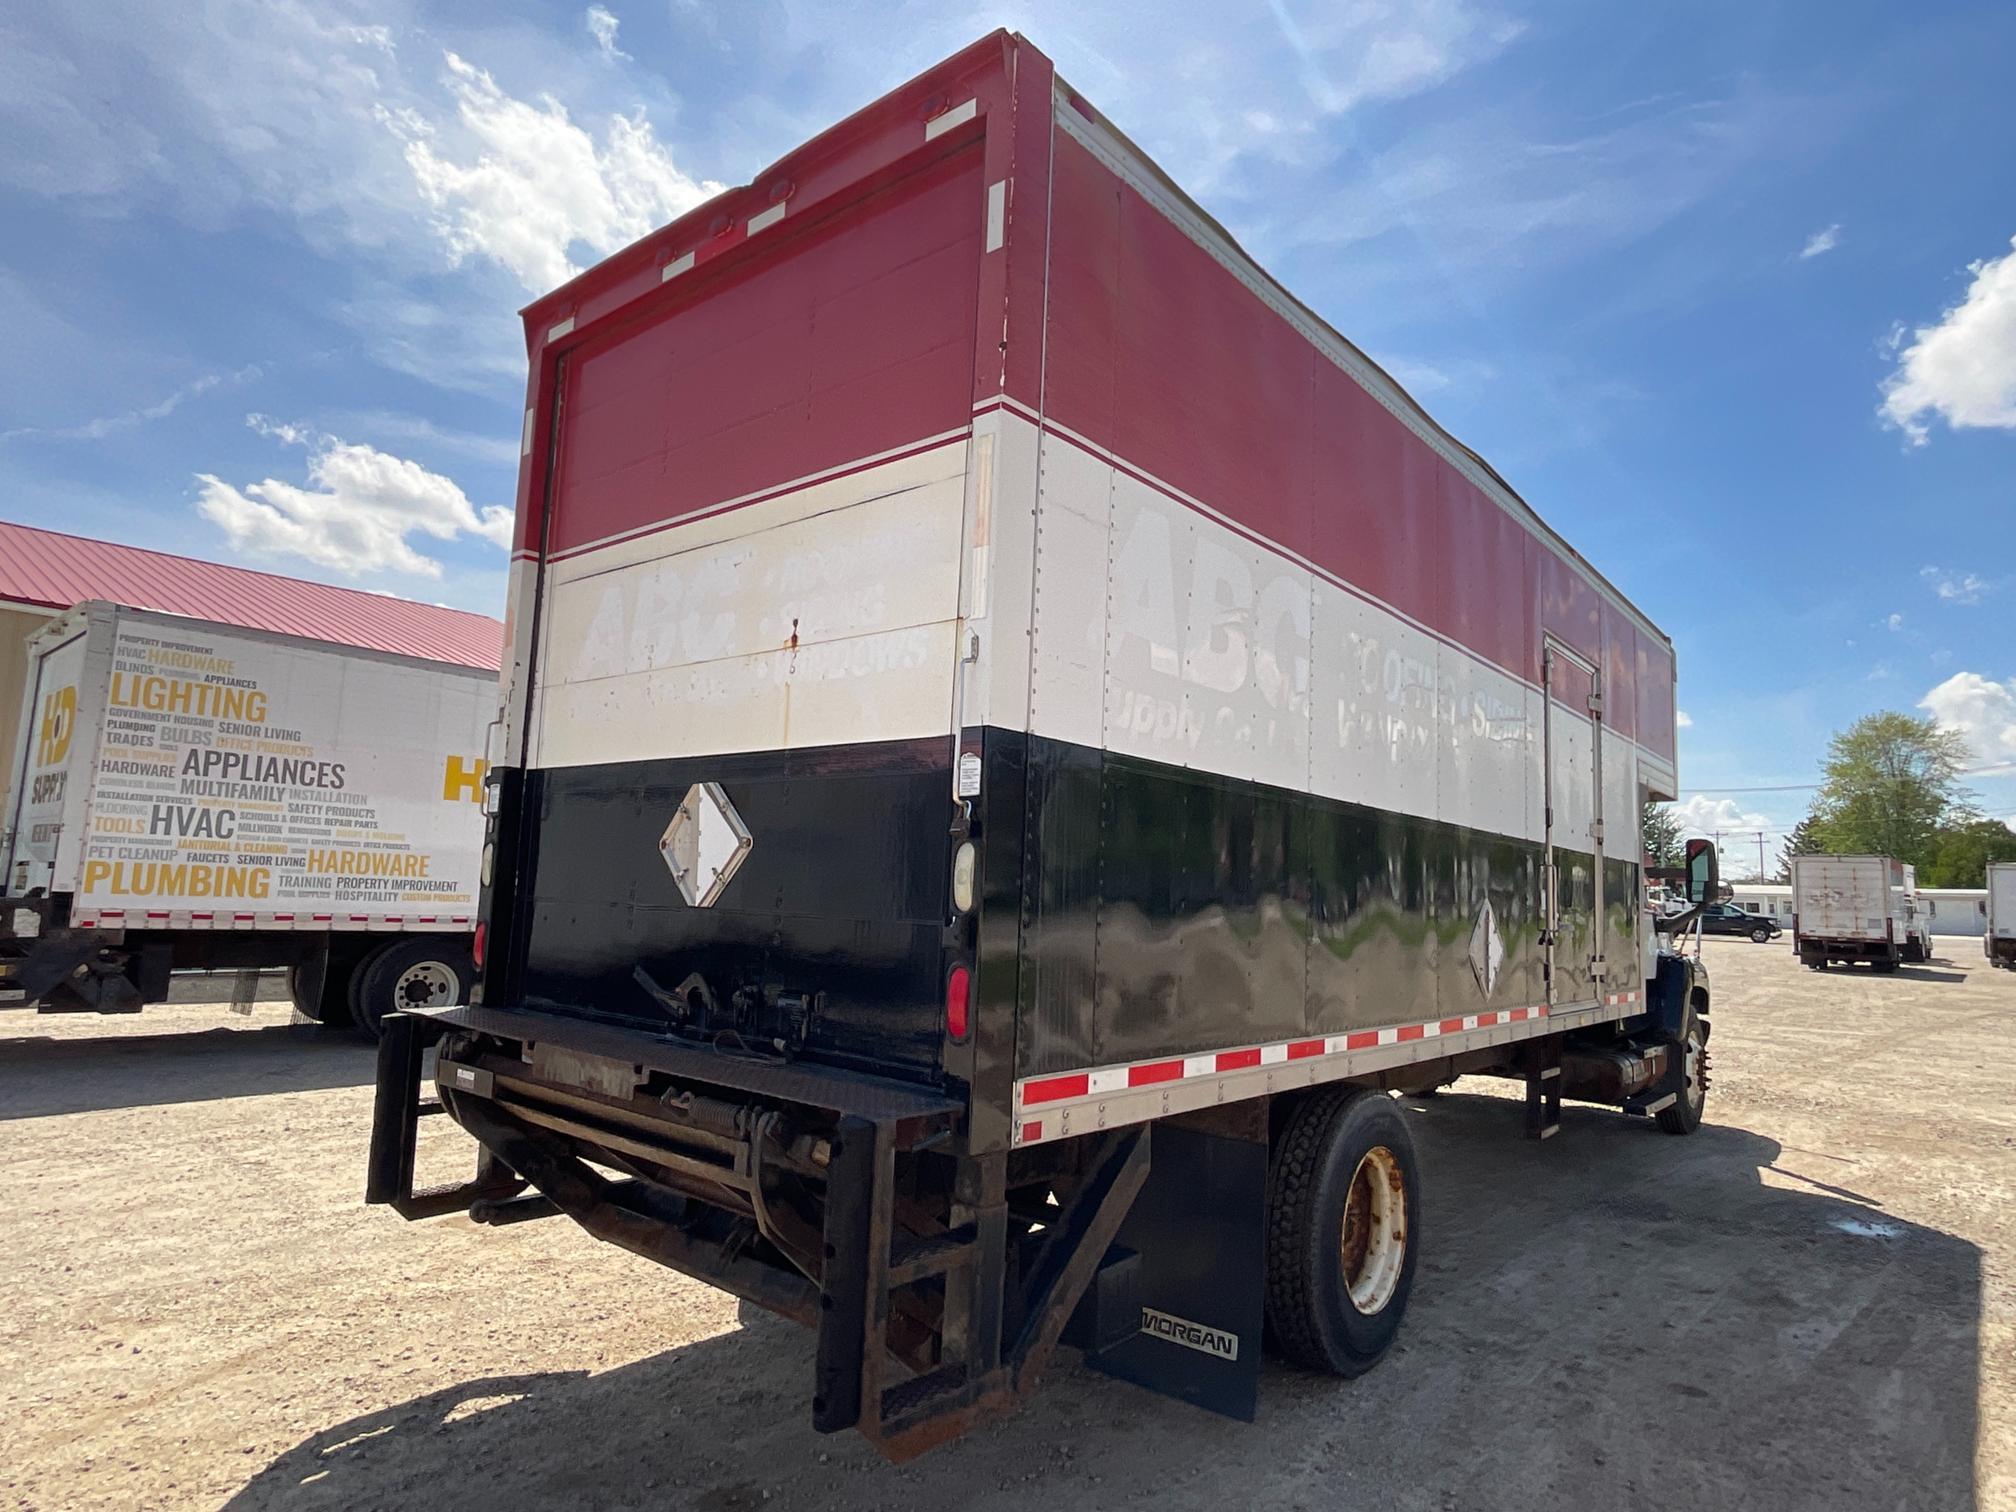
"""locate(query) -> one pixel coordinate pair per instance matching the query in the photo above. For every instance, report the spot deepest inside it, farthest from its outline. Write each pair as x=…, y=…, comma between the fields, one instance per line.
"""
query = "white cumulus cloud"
x=1683, y=719
x=1708, y=817
x=521, y=183
x=356, y=514
x=602, y=24
x=1981, y=709
x=1821, y=242
x=1962, y=369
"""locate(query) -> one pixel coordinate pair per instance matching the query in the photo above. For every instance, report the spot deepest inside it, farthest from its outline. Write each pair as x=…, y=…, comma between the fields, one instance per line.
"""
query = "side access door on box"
x=1572, y=771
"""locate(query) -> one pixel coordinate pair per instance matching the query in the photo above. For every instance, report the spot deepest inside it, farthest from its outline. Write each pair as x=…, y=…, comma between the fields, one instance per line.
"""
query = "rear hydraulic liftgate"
x=827, y=1197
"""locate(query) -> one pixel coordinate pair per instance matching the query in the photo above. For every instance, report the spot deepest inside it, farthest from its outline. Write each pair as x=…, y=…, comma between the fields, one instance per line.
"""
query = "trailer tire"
x=1343, y=1229
x=422, y=971
x=1683, y=1115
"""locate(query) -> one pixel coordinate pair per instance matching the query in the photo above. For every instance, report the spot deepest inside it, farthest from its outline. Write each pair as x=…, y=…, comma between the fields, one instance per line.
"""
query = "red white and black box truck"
x=193, y=795
x=1018, y=739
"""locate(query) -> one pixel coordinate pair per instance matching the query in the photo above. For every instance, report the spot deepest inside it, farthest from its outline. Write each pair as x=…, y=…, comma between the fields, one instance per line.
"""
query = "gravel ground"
x=1808, y=1304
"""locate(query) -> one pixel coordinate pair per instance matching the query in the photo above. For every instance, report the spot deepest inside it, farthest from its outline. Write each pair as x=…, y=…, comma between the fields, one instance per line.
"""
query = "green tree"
x=1892, y=783
x=1961, y=853
x=1806, y=839
x=1660, y=831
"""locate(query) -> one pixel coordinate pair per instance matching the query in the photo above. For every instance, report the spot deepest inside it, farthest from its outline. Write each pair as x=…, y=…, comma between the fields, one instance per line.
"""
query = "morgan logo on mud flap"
x=1211, y=1341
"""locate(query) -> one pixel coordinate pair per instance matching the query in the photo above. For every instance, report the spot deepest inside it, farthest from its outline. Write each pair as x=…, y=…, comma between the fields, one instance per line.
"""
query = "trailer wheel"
x=1343, y=1229
x=1683, y=1115
x=425, y=971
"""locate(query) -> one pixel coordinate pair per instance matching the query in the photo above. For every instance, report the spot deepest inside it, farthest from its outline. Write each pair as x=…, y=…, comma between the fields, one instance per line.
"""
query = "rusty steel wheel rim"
x=1373, y=1245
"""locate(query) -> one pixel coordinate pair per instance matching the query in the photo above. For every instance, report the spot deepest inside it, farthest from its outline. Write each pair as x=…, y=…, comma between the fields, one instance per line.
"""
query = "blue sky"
x=1726, y=290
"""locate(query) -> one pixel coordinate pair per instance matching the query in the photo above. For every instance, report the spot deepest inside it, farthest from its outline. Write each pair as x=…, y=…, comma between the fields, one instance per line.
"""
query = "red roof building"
x=47, y=570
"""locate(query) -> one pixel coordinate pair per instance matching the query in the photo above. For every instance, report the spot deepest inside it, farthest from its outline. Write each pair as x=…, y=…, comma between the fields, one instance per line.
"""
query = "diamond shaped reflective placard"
x=705, y=844
x=1487, y=951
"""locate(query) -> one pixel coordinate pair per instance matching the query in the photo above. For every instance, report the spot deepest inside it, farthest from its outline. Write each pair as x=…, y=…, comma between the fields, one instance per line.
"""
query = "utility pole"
x=1760, y=855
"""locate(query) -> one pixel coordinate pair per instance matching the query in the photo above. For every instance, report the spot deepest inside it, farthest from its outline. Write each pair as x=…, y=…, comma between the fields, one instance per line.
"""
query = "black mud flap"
x=1192, y=1257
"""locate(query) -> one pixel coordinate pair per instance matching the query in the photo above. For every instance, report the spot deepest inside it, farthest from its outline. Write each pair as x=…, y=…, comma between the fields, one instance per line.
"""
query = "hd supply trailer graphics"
x=1856, y=908
x=1016, y=735
x=1999, y=940
x=198, y=795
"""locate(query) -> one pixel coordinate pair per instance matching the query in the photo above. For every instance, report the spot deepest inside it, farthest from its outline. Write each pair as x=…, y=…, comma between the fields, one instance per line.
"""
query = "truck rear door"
x=52, y=768
x=748, y=610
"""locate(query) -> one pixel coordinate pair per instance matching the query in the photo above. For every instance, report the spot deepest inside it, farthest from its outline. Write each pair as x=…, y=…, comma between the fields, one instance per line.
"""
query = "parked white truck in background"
x=194, y=795
x=1999, y=939
x=1857, y=908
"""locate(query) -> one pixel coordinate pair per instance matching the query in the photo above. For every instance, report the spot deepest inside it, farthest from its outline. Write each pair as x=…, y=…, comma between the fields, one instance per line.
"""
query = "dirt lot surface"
x=1808, y=1304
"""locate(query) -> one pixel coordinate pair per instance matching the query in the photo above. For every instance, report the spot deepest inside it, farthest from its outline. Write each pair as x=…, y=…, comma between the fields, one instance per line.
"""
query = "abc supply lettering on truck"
x=206, y=795
x=1016, y=738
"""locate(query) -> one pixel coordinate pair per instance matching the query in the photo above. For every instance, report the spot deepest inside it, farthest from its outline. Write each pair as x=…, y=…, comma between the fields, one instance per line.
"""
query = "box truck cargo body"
x=201, y=795
x=1856, y=908
x=2000, y=939
x=993, y=680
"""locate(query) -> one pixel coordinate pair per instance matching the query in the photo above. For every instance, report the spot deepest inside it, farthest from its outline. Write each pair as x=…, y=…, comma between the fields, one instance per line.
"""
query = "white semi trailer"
x=196, y=795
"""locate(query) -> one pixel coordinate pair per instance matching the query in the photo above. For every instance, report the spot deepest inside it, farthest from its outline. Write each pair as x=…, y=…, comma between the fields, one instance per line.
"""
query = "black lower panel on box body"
x=1168, y=911
x=1129, y=910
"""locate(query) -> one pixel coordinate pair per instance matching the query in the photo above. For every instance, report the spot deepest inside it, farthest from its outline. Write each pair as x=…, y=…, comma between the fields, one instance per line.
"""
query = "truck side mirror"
x=1704, y=872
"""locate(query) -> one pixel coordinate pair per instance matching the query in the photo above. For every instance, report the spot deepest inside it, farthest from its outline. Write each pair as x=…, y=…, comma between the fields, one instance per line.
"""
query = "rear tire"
x=1343, y=1229
x=424, y=971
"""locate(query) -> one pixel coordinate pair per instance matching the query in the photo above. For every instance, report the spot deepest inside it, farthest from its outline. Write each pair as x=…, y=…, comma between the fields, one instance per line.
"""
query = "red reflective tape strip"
x=1364, y=1039
x=1451, y=1026
x=1237, y=1060
x=1051, y=1088
x=1486, y=1020
x=1302, y=1049
x=1032, y=1131
x=1159, y=1071
x=1413, y=1031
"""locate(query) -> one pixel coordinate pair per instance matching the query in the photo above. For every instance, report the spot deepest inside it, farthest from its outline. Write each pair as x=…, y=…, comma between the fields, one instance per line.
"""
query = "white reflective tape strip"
x=1273, y=1055
x=958, y=115
x=561, y=329
x=683, y=263
x=1113, y=1079
x=1199, y=1065
x=1389, y=1036
x=764, y=219
x=997, y=214
x=525, y=444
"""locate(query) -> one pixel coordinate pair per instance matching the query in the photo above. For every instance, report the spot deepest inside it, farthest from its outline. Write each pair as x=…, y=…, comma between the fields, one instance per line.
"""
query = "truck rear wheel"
x=1343, y=1229
x=424, y=971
